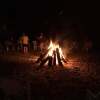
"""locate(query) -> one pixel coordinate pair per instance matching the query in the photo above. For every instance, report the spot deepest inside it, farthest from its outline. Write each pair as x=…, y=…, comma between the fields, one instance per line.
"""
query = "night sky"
x=50, y=16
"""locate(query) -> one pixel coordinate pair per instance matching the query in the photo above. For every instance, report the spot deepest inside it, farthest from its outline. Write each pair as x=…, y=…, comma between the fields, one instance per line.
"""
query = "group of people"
x=40, y=43
x=36, y=45
x=24, y=44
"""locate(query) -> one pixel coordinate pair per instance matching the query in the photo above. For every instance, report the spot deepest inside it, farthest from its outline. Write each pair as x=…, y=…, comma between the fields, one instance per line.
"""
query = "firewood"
x=44, y=61
x=58, y=57
x=50, y=61
x=63, y=59
x=42, y=55
x=54, y=59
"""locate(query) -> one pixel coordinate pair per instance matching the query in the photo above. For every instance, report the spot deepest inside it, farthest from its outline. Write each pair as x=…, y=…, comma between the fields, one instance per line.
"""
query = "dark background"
x=75, y=18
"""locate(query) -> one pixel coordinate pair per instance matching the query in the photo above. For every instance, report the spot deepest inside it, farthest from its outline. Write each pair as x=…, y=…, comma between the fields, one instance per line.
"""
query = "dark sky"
x=50, y=15
x=44, y=15
x=8, y=14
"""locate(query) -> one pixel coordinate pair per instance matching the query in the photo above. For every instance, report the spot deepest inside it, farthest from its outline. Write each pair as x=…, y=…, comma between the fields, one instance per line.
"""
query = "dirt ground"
x=21, y=79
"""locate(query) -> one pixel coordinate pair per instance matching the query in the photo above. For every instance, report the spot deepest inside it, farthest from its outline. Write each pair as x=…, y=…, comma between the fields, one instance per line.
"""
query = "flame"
x=52, y=47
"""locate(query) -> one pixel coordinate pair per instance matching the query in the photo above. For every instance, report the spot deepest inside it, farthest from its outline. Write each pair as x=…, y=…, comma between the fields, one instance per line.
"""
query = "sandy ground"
x=21, y=79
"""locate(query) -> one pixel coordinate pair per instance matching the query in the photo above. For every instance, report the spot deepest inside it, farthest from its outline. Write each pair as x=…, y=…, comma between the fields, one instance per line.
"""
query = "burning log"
x=53, y=56
x=64, y=60
x=58, y=57
x=50, y=61
x=42, y=55
x=40, y=58
x=44, y=61
x=54, y=59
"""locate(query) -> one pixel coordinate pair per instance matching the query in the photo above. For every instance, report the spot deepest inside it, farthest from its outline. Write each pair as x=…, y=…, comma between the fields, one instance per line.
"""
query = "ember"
x=53, y=57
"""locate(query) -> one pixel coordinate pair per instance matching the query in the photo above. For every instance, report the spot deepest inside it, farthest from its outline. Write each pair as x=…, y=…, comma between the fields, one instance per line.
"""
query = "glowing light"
x=52, y=47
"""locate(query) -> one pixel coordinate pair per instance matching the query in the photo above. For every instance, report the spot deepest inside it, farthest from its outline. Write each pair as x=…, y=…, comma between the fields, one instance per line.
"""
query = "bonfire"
x=52, y=57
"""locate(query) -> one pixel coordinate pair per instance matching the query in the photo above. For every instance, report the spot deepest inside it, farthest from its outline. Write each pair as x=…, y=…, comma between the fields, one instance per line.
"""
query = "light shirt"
x=25, y=40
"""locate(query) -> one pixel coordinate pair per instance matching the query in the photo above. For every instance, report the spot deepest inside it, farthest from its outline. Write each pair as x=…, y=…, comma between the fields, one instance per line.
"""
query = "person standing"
x=41, y=42
x=34, y=42
x=20, y=46
x=25, y=43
